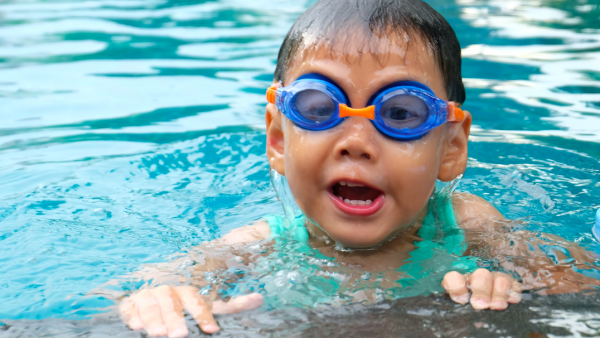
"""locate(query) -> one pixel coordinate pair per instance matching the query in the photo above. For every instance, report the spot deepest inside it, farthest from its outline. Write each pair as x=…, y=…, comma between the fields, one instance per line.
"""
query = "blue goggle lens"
x=404, y=112
x=314, y=105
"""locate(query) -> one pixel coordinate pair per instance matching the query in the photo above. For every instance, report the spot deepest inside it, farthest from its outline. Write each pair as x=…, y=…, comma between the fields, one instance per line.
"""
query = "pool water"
x=133, y=130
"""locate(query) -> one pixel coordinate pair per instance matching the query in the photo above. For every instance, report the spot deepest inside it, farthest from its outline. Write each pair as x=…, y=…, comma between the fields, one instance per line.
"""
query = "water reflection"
x=560, y=43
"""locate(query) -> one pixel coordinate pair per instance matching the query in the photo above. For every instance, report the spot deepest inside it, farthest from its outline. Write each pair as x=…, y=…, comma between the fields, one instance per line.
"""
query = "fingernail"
x=514, y=297
x=462, y=299
x=481, y=304
x=210, y=328
x=136, y=325
x=157, y=331
x=179, y=333
x=499, y=305
x=256, y=296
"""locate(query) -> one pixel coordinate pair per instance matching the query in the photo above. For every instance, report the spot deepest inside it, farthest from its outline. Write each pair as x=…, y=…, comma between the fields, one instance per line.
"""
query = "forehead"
x=363, y=64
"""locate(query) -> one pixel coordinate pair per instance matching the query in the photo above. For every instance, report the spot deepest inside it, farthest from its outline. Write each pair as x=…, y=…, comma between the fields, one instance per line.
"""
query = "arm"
x=489, y=290
x=159, y=310
x=489, y=233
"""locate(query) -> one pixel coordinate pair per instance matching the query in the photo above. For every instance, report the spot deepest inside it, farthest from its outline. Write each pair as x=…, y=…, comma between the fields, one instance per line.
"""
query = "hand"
x=490, y=290
x=160, y=311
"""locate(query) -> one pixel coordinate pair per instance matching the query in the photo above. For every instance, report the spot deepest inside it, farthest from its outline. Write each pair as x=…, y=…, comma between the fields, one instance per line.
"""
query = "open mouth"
x=356, y=198
x=355, y=194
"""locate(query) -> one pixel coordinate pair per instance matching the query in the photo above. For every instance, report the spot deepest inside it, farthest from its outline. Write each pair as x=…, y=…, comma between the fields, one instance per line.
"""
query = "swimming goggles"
x=404, y=110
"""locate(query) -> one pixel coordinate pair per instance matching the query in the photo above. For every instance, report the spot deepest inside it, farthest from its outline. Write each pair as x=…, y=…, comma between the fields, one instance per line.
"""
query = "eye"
x=314, y=105
x=404, y=111
x=399, y=114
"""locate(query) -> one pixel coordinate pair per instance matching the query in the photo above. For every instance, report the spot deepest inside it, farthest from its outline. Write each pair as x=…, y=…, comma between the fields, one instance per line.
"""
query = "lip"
x=358, y=210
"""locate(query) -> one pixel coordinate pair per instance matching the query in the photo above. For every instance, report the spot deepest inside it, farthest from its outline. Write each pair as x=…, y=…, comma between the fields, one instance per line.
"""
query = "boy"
x=364, y=117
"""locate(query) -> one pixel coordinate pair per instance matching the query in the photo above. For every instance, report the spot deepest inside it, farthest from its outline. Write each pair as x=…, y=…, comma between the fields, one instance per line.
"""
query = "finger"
x=500, y=292
x=129, y=314
x=481, y=288
x=197, y=307
x=455, y=285
x=171, y=311
x=149, y=311
x=514, y=295
x=238, y=304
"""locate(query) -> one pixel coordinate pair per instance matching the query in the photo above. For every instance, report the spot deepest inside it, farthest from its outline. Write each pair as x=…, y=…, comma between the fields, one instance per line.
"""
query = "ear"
x=456, y=154
x=275, y=139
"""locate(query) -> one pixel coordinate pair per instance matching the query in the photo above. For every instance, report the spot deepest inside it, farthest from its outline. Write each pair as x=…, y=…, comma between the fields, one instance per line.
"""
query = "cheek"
x=298, y=157
x=413, y=169
x=417, y=157
x=305, y=156
x=306, y=150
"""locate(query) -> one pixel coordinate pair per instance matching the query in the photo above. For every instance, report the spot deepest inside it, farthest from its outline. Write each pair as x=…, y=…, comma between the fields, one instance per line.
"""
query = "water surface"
x=132, y=130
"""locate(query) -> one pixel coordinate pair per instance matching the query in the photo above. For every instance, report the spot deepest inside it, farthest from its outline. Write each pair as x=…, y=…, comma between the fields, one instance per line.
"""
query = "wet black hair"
x=337, y=21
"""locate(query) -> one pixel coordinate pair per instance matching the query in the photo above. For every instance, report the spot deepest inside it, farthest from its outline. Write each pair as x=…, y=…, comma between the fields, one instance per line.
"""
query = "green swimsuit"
x=441, y=249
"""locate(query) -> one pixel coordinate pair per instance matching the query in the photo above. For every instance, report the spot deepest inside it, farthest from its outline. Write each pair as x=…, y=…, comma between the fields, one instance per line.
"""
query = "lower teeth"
x=356, y=202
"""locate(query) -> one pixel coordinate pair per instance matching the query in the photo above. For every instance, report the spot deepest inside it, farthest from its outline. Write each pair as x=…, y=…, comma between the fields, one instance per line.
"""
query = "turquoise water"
x=132, y=130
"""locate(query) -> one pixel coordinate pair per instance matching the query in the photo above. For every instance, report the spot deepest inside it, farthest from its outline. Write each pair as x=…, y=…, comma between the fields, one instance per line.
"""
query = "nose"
x=358, y=140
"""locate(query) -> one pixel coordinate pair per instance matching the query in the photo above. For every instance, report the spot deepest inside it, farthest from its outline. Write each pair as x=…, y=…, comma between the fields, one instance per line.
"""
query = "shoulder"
x=257, y=231
x=475, y=213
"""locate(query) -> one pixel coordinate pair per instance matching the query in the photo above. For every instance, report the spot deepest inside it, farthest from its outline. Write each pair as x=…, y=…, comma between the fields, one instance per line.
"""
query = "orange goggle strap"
x=455, y=114
x=272, y=94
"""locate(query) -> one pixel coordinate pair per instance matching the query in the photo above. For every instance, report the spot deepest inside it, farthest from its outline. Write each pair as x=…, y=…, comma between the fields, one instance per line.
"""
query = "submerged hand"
x=160, y=311
x=490, y=290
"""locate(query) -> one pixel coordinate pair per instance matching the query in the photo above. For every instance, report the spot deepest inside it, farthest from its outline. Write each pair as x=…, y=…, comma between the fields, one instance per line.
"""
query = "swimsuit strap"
x=284, y=230
x=446, y=231
x=297, y=227
x=441, y=238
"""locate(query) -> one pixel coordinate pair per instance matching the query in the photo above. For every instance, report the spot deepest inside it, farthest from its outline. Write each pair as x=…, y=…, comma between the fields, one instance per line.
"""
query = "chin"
x=358, y=239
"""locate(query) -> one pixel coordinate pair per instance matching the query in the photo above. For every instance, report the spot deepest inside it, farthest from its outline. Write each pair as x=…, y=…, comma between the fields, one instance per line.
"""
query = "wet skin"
x=403, y=173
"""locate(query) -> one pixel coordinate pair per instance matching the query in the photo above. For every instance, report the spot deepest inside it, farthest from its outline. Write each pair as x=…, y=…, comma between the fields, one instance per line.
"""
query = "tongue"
x=356, y=193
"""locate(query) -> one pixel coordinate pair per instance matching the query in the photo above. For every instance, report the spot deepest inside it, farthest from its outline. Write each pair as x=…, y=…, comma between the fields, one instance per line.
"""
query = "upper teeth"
x=350, y=184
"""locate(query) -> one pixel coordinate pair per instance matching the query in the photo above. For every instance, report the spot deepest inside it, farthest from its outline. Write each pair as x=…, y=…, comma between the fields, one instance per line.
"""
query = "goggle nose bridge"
x=368, y=112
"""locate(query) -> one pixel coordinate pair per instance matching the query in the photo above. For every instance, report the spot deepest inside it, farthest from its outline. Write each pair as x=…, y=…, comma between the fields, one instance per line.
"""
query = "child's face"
x=400, y=174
